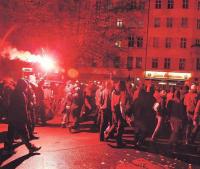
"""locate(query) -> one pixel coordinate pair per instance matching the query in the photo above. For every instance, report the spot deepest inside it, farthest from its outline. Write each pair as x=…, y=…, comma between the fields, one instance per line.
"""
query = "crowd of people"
x=112, y=104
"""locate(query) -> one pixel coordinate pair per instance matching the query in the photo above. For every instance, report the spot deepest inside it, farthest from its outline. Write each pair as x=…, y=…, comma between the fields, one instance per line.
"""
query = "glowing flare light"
x=47, y=64
x=44, y=60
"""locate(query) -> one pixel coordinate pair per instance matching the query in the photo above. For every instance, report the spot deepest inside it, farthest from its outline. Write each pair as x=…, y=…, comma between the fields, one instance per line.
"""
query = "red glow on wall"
x=73, y=73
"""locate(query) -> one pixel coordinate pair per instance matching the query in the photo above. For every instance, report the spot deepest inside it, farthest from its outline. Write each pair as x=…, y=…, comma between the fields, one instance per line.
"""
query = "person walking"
x=18, y=118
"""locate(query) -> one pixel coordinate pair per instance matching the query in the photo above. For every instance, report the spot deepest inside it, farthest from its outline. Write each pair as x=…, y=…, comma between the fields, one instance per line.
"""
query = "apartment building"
x=151, y=39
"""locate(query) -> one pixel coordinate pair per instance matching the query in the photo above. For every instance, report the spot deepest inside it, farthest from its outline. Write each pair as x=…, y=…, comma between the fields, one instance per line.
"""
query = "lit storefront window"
x=167, y=75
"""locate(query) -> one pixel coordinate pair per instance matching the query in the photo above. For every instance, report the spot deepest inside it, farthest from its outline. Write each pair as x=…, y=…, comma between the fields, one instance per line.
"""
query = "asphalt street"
x=83, y=150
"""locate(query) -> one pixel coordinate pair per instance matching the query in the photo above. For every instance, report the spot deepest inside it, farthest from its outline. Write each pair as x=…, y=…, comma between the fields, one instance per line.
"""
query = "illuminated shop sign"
x=167, y=75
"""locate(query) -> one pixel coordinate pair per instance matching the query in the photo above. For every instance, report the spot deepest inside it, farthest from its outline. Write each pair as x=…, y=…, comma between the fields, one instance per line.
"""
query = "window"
x=198, y=5
x=155, y=42
x=181, y=64
x=108, y=4
x=169, y=23
x=94, y=63
x=198, y=23
x=138, y=63
x=129, y=62
x=106, y=60
x=141, y=5
x=184, y=22
x=185, y=4
x=158, y=4
x=157, y=22
x=183, y=43
x=197, y=42
x=130, y=41
x=119, y=23
x=170, y=4
x=168, y=42
x=116, y=62
x=167, y=63
x=118, y=44
x=98, y=5
x=132, y=5
x=198, y=64
x=139, y=42
x=154, y=63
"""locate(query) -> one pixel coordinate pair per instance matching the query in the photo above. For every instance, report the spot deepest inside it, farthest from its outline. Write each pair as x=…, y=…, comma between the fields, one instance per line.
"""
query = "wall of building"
x=83, y=34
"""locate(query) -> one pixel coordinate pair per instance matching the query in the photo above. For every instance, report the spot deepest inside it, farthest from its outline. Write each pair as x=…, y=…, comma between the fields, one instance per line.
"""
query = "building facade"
x=151, y=39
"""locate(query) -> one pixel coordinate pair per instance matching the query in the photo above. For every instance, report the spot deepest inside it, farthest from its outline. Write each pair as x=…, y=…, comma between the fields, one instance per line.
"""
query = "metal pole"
x=147, y=39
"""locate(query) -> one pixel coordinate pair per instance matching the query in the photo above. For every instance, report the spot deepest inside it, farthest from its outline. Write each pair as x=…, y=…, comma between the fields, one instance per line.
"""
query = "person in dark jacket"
x=31, y=105
x=18, y=117
x=176, y=109
x=76, y=106
x=143, y=115
x=40, y=103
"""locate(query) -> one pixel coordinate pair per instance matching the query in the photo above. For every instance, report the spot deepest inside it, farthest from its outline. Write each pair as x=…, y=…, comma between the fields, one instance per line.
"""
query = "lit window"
x=170, y=4
x=129, y=62
x=155, y=42
x=138, y=63
x=169, y=22
x=198, y=23
x=119, y=23
x=183, y=43
x=167, y=62
x=154, y=63
x=130, y=41
x=198, y=64
x=182, y=64
x=157, y=22
x=184, y=22
x=158, y=4
x=116, y=62
x=168, y=42
x=118, y=44
x=185, y=4
x=139, y=42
